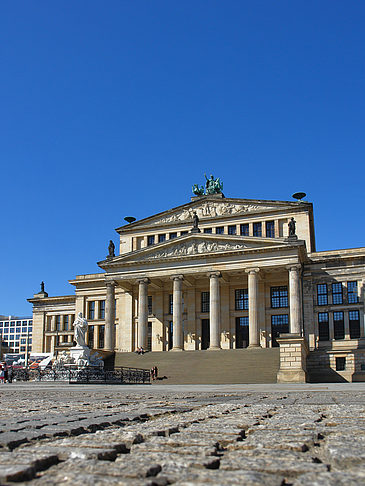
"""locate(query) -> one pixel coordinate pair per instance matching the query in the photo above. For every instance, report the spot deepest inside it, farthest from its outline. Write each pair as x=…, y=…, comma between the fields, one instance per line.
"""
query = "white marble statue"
x=80, y=326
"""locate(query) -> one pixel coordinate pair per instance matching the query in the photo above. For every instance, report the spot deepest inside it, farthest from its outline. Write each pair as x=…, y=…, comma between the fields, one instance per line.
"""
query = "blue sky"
x=116, y=108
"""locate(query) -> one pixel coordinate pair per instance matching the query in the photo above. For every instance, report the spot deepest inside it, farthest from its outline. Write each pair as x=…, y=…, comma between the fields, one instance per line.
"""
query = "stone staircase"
x=208, y=367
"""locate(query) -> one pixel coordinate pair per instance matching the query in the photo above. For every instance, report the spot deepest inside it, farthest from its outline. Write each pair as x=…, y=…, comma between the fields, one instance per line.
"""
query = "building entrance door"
x=279, y=324
x=205, y=334
x=169, y=336
x=242, y=332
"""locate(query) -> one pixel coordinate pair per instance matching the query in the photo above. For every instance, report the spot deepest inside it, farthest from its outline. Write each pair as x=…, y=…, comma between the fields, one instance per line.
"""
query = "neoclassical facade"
x=214, y=273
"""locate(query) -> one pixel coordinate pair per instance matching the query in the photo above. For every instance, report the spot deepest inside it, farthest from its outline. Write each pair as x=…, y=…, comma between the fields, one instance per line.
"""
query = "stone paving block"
x=125, y=436
x=331, y=479
x=129, y=467
x=17, y=472
x=286, y=466
x=10, y=440
x=188, y=477
x=91, y=442
x=209, y=462
x=65, y=452
x=343, y=451
x=38, y=461
x=173, y=449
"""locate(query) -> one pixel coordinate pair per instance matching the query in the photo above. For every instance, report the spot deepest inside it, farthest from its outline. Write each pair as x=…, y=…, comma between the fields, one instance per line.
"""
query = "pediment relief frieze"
x=210, y=209
x=190, y=248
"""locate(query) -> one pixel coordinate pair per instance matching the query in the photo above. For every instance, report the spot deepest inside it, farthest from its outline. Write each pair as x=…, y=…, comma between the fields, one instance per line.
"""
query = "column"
x=142, y=312
x=253, y=311
x=109, y=316
x=215, y=311
x=177, y=335
x=53, y=323
x=294, y=299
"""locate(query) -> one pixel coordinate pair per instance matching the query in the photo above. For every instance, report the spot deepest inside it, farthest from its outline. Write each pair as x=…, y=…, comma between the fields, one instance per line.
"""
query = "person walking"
x=2, y=375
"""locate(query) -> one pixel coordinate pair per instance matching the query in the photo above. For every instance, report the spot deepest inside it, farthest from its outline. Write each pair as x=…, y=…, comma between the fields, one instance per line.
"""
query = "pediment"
x=196, y=245
x=210, y=208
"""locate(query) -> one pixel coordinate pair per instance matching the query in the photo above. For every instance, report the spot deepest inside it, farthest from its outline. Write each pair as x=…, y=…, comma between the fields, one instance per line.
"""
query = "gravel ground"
x=55, y=434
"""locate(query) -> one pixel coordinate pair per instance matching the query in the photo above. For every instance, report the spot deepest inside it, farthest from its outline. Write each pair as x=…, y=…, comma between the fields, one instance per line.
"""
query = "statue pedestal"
x=80, y=352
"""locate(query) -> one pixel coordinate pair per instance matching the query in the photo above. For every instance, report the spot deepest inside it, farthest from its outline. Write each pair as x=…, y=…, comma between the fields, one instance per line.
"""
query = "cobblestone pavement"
x=112, y=435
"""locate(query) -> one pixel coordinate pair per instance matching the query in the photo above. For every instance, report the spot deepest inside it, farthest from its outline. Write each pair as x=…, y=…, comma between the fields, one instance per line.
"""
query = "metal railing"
x=121, y=376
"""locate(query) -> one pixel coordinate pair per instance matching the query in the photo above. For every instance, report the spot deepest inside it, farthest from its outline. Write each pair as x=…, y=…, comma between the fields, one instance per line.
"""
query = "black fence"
x=118, y=376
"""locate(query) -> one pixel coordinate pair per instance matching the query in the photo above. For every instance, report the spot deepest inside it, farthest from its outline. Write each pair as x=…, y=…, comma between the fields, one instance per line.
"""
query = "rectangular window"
x=340, y=363
x=102, y=309
x=257, y=229
x=91, y=309
x=90, y=336
x=219, y=230
x=101, y=336
x=279, y=297
x=171, y=303
x=205, y=301
x=270, y=229
x=241, y=299
x=150, y=304
x=161, y=238
x=352, y=296
x=337, y=294
x=58, y=323
x=208, y=230
x=184, y=233
x=245, y=229
x=338, y=324
x=322, y=294
x=173, y=235
x=232, y=229
x=65, y=323
x=354, y=324
x=150, y=240
x=323, y=326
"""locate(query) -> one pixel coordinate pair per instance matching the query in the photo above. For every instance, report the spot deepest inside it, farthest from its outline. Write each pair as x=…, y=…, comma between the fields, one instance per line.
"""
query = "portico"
x=184, y=301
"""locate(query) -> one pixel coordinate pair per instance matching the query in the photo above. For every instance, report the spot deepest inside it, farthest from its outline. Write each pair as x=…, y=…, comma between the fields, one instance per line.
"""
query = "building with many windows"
x=16, y=334
x=237, y=280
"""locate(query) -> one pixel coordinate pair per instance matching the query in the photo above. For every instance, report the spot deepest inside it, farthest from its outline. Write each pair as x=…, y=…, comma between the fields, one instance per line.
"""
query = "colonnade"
x=215, y=309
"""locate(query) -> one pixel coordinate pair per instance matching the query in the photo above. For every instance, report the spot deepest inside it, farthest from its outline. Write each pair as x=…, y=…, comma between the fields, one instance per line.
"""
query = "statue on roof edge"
x=212, y=186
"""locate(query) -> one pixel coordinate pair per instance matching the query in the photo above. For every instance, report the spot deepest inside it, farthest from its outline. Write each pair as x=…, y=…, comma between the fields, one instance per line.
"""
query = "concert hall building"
x=220, y=273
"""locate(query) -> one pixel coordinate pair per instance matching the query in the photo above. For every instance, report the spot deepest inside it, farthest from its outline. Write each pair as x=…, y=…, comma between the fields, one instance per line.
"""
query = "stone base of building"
x=293, y=356
x=288, y=376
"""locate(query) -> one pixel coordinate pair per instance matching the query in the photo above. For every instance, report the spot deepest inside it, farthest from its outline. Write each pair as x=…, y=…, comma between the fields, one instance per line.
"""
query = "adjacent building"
x=217, y=273
x=16, y=334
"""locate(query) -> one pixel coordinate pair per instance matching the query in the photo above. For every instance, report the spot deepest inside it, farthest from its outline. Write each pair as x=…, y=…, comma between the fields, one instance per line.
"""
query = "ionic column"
x=109, y=316
x=253, y=311
x=142, y=312
x=294, y=299
x=177, y=335
x=215, y=311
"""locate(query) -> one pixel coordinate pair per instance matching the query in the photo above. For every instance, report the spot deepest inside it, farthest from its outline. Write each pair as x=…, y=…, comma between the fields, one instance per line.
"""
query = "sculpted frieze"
x=193, y=248
x=210, y=209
